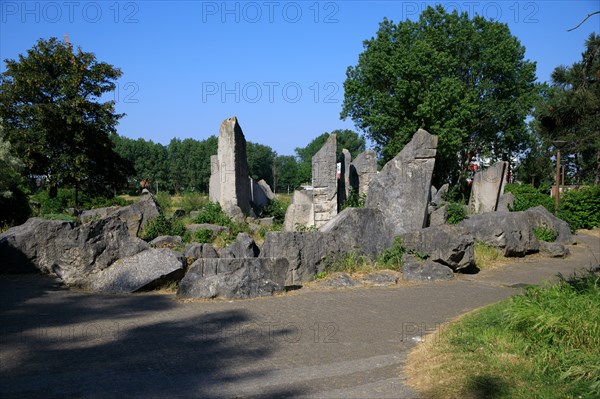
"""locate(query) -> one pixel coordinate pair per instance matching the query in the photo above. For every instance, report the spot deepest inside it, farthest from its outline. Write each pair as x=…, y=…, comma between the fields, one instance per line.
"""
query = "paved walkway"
x=348, y=343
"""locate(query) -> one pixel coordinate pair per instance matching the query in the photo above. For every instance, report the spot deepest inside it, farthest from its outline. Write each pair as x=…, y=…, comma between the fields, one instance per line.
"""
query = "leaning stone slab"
x=267, y=189
x=414, y=269
x=449, y=245
x=233, y=278
x=487, y=187
x=139, y=272
x=511, y=232
x=438, y=198
x=401, y=190
x=439, y=216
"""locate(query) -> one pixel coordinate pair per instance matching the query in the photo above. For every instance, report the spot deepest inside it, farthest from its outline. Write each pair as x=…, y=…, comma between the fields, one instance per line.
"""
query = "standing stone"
x=301, y=211
x=401, y=190
x=325, y=182
x=363, y=171
x=214, y=185
x=488, y=186
x=344, y=184
x=233, y=188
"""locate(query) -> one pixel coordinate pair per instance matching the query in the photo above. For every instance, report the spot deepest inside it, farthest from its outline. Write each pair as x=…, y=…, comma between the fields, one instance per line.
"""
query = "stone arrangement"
x=103, y=252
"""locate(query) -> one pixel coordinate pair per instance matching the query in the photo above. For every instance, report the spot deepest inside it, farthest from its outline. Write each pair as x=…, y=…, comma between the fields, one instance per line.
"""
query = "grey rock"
x=449, y=245
x=440, y=194
x=553, y=249
x=361, y=230
x=324, y=176
x=197, y=251
x=243, y=247
x=508, y=231
x=414, y=269
x=540, y=217
x=139, y=272
x=506, y=202
x=341, y=280
x=229, y=183
x=344, y=180
x=487, y=187
x=301, y=211
x=362, y=171
x=166, y=242
x=233, y=278
x=179, y=213
x=137, y=215
x=216, y=229
x=306, y=253
x=439, y=216
x=267, y=189
x=96, y=214
x=267, y=222
x=382, y=278
x=194, y=214
x=259, y=195
x=401, y=190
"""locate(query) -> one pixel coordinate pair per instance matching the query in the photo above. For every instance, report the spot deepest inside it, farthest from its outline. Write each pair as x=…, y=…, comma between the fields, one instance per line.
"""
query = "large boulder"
x=487, y=187
x=145, y=270
x=72, y=252
x=196, y=251
x=401, y=190
x=449, y=245
x=508, y=231
x=414, y=269
x=306, y=253
x=540, y=217
x=166, y=242
x=233, y=278
x=361, y=230
x=243, y=247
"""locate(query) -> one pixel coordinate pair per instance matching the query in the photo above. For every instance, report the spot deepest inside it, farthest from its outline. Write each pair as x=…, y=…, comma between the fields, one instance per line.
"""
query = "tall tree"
x=571, y=112
x=261, y=160
x=50, y=103
x=465, y=80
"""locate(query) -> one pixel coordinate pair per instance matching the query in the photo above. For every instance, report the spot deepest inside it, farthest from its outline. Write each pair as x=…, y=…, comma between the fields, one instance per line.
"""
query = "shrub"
x=350, y=262
x=391, y=258
x=545, y=233
x=163, y=226
x=527, y=196
x=581, y=208
x=212, y=213
x=276, y=209
x=192, y=202
x=456, y=212
x=202, y=236
x=354, y=200
x=164, y=200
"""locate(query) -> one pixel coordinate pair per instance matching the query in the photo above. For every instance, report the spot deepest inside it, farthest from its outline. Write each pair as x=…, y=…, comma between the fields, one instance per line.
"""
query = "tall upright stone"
x=401, y=190
x=488, y=186
x=233, y=188
x=325, y=182
x=345, y=177
x=363, y=170
x=301, y=211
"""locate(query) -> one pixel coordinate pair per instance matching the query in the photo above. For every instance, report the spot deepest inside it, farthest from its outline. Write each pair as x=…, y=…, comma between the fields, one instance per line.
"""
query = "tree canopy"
x=465, y=80
x=53, y=116
x=570, y=111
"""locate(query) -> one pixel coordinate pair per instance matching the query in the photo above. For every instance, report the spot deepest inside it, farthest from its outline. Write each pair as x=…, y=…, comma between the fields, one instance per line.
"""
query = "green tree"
x=465, y=80
x=10, y=167
x=50, y=103
x=571, y=112
x=261, y=160
x=286, y=174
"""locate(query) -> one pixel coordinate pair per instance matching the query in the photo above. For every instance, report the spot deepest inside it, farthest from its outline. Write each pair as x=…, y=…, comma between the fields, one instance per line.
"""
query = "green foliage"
x=349, y=263
x=545, y=233
x=321, y=275
x=391, y=258
x=527, y=196
x=303, y=228
x=212, y=213
x=192, y=201
x=465, y=80
x=10, y=167
x=202, y=236
x=287, y=175
x=569, y=112
x=354, y=200
x=456, y=212
x=276, y=209
x=163, y=226
x=53, y=117
x=164, y=200
x=261, y=159
x=65, y=198
x=581, y=208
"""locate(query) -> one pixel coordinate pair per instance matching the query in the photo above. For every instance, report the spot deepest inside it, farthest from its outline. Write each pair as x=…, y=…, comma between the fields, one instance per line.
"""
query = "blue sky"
x=279, y=66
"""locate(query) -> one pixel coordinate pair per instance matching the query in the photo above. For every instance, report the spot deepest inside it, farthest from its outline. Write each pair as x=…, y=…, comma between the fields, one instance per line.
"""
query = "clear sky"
x=279, y=66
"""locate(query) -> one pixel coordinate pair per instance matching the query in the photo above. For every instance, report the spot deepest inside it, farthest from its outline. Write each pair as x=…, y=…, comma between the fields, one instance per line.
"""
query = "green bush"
x=163, y=226
x=456, y=212
x=202, y=236
x=212, y=213
x=527, y=196
x=276, y=209
x=545, y=233
x=164, y=200
x=391, y=258
x=65, y=198
x=192, y=202
x=581, y=208
x=354, y=200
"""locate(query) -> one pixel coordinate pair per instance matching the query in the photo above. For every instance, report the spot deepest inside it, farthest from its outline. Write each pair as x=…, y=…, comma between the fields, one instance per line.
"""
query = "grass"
x=542, y=344
x=487, y=256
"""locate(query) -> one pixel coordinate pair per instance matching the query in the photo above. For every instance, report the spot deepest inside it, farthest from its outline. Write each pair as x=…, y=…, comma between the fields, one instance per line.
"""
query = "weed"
x=545, y=233
x=486, y=255
x=391, y=258
x=456, y=212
